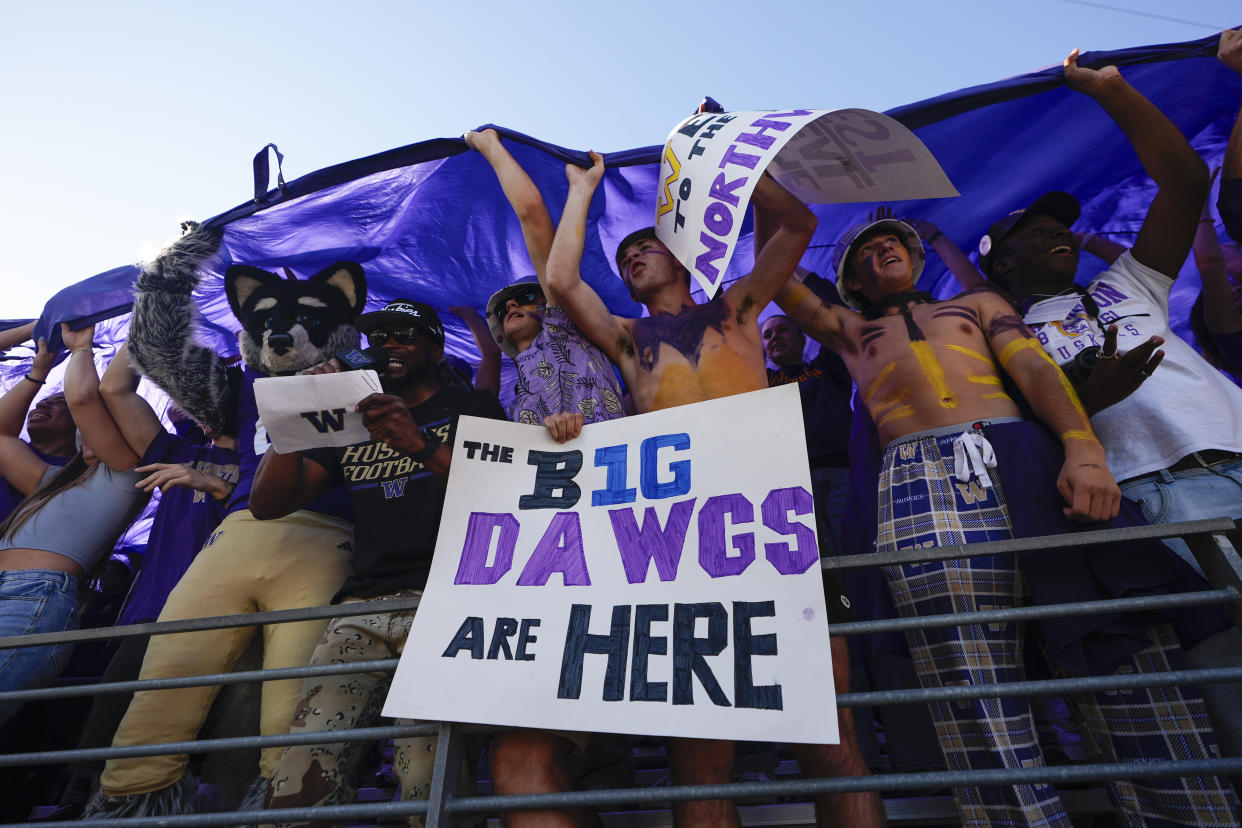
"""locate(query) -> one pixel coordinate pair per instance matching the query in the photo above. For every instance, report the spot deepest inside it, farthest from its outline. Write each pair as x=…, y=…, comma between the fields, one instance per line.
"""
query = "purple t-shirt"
x=563, y=371
x=183, y=521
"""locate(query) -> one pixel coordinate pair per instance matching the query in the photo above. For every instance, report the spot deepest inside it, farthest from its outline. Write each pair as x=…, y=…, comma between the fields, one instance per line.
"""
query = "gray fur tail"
x=161, y=333
x=171, y=801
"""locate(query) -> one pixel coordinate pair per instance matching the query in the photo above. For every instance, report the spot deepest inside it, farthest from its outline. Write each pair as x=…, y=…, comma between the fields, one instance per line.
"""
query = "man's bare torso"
x=926, y=364
x=701, y=353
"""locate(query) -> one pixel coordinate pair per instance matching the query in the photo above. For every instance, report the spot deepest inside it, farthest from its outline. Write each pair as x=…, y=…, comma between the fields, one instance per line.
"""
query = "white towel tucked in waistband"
x=972, y=457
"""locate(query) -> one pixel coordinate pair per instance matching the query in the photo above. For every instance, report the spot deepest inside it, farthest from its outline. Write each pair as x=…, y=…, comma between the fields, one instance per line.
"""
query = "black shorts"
x=835, y=599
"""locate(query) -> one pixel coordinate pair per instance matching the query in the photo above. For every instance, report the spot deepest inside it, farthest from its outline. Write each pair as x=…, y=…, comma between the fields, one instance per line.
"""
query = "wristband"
x=35, y=381
x=424, y=454
x=1079, y=434
x=935, y=236
x=90, y=350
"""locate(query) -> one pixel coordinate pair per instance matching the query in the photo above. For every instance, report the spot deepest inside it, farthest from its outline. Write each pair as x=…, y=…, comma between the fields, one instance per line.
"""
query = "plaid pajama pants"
x=921, y=504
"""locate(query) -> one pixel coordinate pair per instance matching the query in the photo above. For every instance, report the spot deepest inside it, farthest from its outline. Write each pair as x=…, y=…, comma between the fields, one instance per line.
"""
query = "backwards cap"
x=1061, y=206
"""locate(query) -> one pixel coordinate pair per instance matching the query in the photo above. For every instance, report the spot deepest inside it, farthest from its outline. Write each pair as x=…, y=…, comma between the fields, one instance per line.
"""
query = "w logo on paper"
x=325, y=421
x=394, y=488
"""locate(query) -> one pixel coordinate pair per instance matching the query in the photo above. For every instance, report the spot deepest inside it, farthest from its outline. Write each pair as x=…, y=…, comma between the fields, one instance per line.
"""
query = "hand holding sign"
x=712, y=162
x=388, y=420
x=304, y=412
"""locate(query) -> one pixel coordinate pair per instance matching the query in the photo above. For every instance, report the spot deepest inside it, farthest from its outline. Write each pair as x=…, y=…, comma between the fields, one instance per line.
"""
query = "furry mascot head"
x=288, y=324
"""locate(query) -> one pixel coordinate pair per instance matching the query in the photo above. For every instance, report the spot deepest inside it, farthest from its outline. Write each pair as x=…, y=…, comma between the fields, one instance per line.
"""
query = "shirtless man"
x=684, y=353
x=959, y=465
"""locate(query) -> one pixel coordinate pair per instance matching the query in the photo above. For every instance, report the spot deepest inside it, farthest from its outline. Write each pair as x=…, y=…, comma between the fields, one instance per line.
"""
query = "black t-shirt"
x=397, y=500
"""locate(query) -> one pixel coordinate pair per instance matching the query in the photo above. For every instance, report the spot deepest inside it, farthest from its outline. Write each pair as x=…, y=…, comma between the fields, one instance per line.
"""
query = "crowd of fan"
x=1026, y=405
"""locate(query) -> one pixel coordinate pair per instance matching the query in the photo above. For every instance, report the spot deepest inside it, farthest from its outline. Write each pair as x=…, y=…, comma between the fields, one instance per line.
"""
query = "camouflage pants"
x=313, y=775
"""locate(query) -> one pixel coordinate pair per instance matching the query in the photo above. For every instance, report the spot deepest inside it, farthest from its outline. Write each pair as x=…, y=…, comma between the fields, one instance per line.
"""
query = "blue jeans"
x=1193, y=494
x=34, y=601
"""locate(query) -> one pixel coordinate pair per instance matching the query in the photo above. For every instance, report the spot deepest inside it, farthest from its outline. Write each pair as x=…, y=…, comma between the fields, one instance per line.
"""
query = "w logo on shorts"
x=972, y=493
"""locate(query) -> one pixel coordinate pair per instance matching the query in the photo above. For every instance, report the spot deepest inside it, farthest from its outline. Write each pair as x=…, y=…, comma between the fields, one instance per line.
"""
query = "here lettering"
x=690, y=653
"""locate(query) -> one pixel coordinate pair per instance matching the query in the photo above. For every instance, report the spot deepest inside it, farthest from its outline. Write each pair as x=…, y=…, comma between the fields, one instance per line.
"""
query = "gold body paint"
x=1025, y=343
x=934, y=373
x=969, y=352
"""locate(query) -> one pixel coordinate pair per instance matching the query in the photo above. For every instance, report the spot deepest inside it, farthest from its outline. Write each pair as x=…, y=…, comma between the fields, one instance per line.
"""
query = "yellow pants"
x=246, y=566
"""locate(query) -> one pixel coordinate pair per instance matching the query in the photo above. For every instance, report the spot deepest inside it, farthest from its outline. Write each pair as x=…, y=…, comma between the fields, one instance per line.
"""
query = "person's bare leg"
x=841, y=810
x=528, y=762
x=702, y=762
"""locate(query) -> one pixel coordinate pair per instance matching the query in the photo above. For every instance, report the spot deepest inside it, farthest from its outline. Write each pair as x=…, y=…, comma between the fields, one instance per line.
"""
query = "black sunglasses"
x=530, y=296
x=404, y=336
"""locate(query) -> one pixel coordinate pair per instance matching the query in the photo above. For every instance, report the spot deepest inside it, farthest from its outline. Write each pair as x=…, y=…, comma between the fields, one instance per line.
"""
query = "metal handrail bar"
x=213, y=622
x=1148, y=602
x=1035, y=613
x=1126, y=681
x=730, y=790
x=362, y=734
x=382, y=665
x=1041, y=543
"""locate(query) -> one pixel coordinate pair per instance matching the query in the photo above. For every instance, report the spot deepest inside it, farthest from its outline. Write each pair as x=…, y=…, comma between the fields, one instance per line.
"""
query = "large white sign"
x=712, y=162
x=657, y=575
x=303, y=412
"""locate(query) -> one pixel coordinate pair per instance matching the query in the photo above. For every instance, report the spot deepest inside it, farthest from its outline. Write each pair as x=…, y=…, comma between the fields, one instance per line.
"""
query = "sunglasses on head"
x=530, y=296
x=403, y=336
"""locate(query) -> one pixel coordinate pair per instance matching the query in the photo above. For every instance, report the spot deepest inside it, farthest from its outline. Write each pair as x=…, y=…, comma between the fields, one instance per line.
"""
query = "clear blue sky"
x=121, y=118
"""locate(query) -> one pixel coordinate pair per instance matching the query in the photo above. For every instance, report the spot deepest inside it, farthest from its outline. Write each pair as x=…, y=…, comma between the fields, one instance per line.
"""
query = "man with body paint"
x=961, y=465
x=1175, y=443
x=684, y=352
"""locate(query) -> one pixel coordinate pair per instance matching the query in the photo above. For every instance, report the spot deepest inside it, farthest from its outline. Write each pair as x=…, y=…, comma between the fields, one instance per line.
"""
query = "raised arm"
x=958, y=263
x=15, y=404
x=1104, y=249
x=19, y=465
x=789, y=226
x=1230, y=202
x=805, y=308
x=1085, y=481
x=94, y=420
x=525, y=199
x=487, y=376
x=132, y=414
x=1220, y=312
x=161, y=333
x=1169, y=228
x=16, y=336
x=582, y=303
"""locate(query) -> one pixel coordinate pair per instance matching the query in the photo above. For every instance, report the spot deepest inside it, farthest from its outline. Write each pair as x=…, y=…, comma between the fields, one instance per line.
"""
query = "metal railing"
x=1205, y=538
